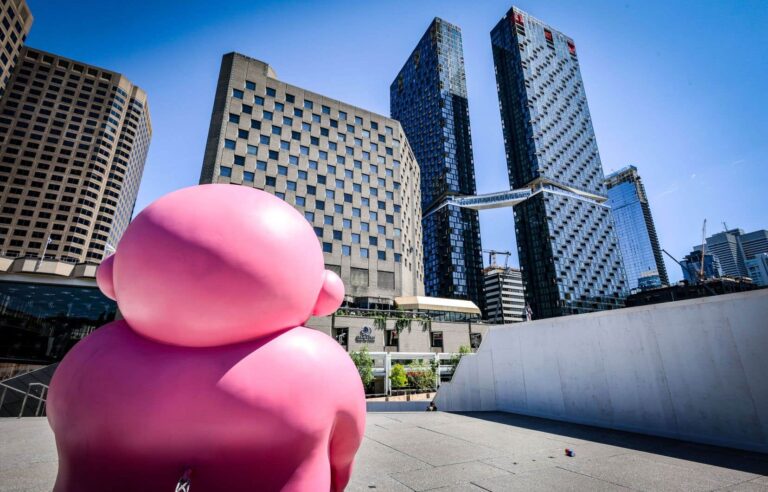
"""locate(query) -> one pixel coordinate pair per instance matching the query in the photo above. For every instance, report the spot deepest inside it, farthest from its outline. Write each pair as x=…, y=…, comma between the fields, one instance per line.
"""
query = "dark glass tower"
x=639, y=243
x=567, y=245
x=429, y=98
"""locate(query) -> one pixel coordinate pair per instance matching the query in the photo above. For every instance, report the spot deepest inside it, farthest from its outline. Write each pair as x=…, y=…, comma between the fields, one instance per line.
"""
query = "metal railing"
x=41, y=397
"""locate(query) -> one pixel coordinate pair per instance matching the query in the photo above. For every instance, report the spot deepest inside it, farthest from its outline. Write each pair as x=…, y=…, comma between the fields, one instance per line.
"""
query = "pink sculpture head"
x=217, y=264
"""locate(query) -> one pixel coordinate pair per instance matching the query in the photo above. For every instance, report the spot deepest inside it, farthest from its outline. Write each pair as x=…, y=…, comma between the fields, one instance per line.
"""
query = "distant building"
x=757, y=269
x=640, y=250
x=733, y=248
x=504, y=295
x=691, y=266
x=73, y=143
x=15, y=23
x=350, y=172
x=683, y=291
x=567, y=244
x=429, y=98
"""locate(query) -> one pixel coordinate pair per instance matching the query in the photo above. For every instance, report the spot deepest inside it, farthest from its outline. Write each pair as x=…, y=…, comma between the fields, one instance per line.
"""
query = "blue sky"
x=680, y=89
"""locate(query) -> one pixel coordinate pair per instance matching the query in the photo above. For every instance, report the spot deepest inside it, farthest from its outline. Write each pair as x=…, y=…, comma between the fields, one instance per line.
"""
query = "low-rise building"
x=504, y=295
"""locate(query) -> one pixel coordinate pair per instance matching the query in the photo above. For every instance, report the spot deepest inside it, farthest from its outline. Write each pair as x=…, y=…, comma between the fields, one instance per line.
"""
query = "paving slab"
x=452, y=452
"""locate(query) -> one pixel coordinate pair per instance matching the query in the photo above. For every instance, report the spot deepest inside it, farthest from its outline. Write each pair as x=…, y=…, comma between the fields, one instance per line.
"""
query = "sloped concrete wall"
x=695, y=370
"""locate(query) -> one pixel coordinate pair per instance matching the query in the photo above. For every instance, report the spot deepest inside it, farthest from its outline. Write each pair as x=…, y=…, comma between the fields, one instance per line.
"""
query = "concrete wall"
x=695, y=370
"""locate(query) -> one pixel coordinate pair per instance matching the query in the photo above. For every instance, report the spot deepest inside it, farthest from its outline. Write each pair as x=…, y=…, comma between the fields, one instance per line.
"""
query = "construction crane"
x=492, y=257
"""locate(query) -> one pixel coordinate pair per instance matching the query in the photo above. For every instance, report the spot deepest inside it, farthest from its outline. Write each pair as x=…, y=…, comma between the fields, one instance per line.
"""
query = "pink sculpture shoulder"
x=211, y=375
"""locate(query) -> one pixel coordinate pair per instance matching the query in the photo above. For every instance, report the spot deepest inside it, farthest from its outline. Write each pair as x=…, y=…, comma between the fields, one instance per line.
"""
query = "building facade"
x=15, y=23
x=429, y=98
x=757, y=269
x=349, y=171
x=567, y=244
x=640, y=250
x=734, y=248
x=504, y=295
x=694, y=271
x=73, y=143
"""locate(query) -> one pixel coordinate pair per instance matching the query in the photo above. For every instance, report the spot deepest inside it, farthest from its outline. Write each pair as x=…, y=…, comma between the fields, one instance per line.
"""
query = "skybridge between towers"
x=510, y=198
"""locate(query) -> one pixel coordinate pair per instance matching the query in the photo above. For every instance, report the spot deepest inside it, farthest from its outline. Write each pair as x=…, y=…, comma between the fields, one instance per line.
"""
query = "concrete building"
x=429, y=98
x=757, y=269
x=640, y=250
x=568, y=249
x=504, y=295
x=15, y=23
x=73, y=143
x=350, y=172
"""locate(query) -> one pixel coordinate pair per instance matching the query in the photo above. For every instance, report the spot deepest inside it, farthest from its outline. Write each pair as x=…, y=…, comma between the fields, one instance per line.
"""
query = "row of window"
x=364, y=252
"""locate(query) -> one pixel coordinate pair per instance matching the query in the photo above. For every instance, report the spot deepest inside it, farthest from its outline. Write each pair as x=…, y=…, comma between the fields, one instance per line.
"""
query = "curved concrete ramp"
x=695, y=370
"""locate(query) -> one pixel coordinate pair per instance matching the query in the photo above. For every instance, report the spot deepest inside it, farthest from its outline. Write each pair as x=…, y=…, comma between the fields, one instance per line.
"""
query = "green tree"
x=398, y=377
x=364, y=364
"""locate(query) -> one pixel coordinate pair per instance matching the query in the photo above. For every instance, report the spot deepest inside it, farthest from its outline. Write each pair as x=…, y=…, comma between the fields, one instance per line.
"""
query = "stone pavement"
x=471, y=452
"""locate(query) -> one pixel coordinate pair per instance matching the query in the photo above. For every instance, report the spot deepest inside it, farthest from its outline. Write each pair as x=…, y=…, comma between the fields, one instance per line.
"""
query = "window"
x=338, y=208
x=316, y=119
x=251, y=86
x=398, y=257
x=310, y=216
x=355, y=212
x=280, y=195
x=390, y=244
x=320, y=205
x=337, y=235
x=314, y=140
x=327, y=247
x=326, y=109
x=311, y=190
x=290, y=98
x=247, y=109
x=382, y=255
x=226, y=172
x=437, y=339
x=271, y=92
x=357, y=187
x=381, y=229
x=264, y=139
x=258, y=100
x=346, y=250
x=304, y=150
x=242, y=134
x=364, y=252
x=324, y=132
x=252, y=149
x=348, y=173
x=355, y=238
x=303, y=175
x=388, y=130
x=261, y=165
x=237, y=93
x=331, y=169
x=346, y=223
x=229, y=144
x=287, y=120
x=239, y=160
x=365, y=201
x=256, y=124
x=350, y=129
x=342, y=115
x=298, y=112
x=318, y=231
x=291, y=185
x=328, y=219
x=330, y=194
x=248, y=177
x=358, y=120
x=276, y=130
x=234, y=118
x=293, y=160
x=300, y=200
x=374, y=125
x=313, y=164
x=321, y=180
x=373, y=241
x=282, y=170
x=308, y=104
x=366, y=134
x=267, y=115
x=347, y=198
x=285, y=145
x=279, y=106
x=306, y=127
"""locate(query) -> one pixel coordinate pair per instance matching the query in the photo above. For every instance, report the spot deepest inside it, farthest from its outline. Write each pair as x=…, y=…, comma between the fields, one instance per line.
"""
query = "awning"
x=421, y=303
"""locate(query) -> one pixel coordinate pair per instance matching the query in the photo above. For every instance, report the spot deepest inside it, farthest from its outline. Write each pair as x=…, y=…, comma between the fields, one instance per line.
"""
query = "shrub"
x=398, y=377
x=364, y=364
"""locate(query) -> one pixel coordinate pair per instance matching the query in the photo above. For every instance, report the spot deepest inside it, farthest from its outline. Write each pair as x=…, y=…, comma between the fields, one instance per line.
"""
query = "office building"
x=504, y=295
x=640, y=250
x=734, y=248
x=429, y=98
x=15, y=23
x=73, y=142
x=567, y=244
x=350, y=172
x=757, y=269
x=694, y=271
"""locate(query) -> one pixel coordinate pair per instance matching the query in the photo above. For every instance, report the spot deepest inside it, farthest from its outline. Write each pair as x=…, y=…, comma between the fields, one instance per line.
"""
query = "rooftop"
x=476, y=451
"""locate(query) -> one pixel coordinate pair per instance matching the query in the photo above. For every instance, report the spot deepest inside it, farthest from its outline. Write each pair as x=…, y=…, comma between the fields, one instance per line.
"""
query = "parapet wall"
x=695, y=370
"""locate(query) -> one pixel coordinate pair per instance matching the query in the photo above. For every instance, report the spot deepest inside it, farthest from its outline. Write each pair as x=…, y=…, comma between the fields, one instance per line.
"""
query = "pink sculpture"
x=211, y=374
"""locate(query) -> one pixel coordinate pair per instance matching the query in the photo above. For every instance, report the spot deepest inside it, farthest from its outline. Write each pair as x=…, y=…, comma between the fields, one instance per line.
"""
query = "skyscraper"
x=350, y=172
x=566, y=240
x=639, y=243
x=429, y=98
x=15, y=23
x=73, y=142
x=734, y=248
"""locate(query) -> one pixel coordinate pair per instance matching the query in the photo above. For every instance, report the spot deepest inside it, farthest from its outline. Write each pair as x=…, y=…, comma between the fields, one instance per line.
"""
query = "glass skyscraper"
x=429, y=98
x=639, y=243
x=568, y=249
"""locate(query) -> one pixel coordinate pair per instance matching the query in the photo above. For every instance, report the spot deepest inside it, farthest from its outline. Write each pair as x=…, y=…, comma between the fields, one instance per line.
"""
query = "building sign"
x=366, y=335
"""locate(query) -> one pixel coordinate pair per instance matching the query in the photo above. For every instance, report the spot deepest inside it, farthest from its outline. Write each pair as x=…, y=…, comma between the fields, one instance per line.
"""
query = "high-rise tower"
x=429, y=98
x=73, y=142
x=15, y=23
x=566, y=240
x=639, y=243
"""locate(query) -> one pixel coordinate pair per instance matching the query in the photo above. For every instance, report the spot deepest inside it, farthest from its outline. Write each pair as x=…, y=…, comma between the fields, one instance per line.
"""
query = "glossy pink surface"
x=211, y=369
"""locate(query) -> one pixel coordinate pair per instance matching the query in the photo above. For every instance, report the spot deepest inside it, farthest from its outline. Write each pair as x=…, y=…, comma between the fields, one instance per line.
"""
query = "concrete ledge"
x=691, y=370
x=397, y=406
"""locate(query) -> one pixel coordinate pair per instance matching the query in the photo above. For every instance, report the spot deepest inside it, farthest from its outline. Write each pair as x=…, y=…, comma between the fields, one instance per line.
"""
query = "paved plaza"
x=471, y=452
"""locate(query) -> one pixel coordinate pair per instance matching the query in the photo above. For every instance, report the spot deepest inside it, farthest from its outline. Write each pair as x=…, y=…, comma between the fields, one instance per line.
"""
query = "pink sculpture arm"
x=211, y=370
